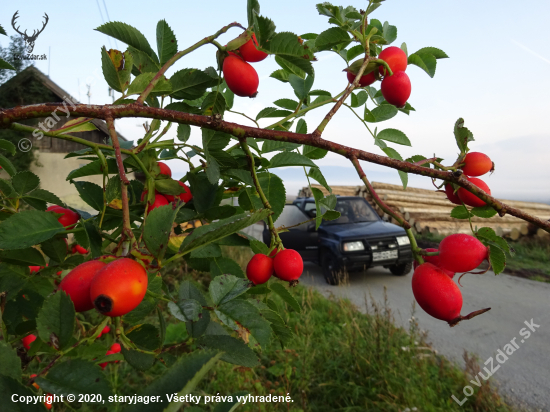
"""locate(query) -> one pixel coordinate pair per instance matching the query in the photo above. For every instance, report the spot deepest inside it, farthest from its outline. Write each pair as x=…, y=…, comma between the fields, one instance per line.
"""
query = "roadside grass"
x=531, y=259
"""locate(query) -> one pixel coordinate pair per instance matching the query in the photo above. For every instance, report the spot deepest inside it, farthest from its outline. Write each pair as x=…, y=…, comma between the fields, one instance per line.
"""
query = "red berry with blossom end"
x=115, y=347
x=185, y=196
x=288, y=265
x=396, y=59
x=434, y=260
x=469, y=198
x=241, y=78
x=35, y=269
x=160, y=200
x=477, y=164
x=436, y=292
x=396, y=89
x=69, y=218
x=461, y=253
x=79, y=249
x=259, y=269
x=250, y=52
x=27, y=340
x=164, y=169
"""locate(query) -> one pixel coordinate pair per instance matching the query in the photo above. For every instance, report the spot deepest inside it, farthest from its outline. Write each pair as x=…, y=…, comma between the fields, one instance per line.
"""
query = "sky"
x=497, y=76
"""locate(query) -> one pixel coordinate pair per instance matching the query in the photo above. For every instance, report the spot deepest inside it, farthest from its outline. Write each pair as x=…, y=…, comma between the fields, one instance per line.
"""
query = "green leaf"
x=180, y=379
x=143, y=309
x=5, y=65
x=297, y=65
x=55, y=249
x=8, y=146
x=227, y=287
x=140, y=83
x=315, y=173
x=167, y=45
x=205, y=194
x=212, y=166
x=12, y=279
x=28, y=256
x=264, y=29
x=272, y=112
x=11, y=388
x=213, y=103
x=274, y=146
x=395, y=155
x=252, y=6
x=56, y=320
x=274, y=191
x=157, y=228
x=75, y=376
x=222, y=265
x=286, y=159
x=7, y=165
x=93, y=168
x=28, y=228
x=394, y=136
x=460, y=212
x=129, y=35
x=280, y=290
x=249, y=317
x=190, y=84
x=359, y=99
x=143, y=63
x=90, y=193
x=331, y=37
x=94, y=239
x=236, y=351
x=314, y=152
x=380, y=113
x=437, y=53
x=288, y=104
x=188, y=292
x=44, y=195
x=426, y=59
x=497, y=258
x=281, y=75
x=186, y=310
x=138, y=360
x=220, y=229
x=184, y=132
x=118, y=78
x=389, y=32
x=220, y=212
x=207, y=252
x=169, y=187
x=301, y=86
x=11, y=364
x=462, y=135
x=242, y=175
x=486, y=211
x=145, y=336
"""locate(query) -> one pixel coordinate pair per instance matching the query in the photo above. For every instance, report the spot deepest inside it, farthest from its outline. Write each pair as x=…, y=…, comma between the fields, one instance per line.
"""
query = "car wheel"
x=402, y=269
x=331, y=268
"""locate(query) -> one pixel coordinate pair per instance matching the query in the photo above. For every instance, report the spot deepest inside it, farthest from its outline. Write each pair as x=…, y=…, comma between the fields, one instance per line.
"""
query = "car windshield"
x=353, y=211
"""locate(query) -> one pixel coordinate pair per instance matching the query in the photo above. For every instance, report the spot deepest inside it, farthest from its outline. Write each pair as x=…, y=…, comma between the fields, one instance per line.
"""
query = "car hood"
x=363, y=229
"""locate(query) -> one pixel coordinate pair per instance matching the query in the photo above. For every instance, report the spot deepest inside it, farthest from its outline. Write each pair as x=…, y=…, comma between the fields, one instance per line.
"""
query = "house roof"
x=59, y=92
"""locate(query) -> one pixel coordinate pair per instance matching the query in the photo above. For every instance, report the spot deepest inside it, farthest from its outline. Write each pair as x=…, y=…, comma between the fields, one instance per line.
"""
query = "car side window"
x=292, y=215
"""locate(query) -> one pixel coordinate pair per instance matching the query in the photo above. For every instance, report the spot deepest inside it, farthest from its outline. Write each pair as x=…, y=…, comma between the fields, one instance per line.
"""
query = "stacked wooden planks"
x=429, y=210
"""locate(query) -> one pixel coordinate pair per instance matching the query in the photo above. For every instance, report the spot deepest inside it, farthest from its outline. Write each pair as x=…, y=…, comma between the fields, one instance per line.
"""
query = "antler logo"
x=29, y=39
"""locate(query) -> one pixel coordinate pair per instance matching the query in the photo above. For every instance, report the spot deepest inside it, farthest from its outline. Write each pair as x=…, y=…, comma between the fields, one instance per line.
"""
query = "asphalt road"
x=525, y=375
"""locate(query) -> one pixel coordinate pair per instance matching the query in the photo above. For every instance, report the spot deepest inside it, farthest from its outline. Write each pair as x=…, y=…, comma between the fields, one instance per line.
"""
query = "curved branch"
x=8, y=116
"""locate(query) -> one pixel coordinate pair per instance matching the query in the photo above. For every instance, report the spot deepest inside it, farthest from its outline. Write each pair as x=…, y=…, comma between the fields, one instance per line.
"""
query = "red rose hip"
x=434, y=260
x=449, y=191
x=396, y=59
x=461, y=253
x=69, y=218
x=259, y=269
x=186, y=196
x=469, y=198
x=365, y=80
x=477, y=164
x=241, y=78
x=396, y=89
x=288, y=265
x=77, y=284
x=249, y=51
x=436, y=292
x=164, y=169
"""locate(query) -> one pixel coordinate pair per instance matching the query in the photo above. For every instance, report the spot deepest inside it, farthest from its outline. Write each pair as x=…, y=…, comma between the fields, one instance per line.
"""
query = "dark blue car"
x=357, y=240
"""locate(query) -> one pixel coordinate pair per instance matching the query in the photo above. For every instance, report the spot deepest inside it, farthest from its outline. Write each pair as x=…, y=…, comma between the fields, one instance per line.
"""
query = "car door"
x=300, y=237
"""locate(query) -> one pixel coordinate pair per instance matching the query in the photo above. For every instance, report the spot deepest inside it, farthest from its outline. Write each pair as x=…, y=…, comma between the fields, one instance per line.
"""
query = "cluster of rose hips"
x=162, y=200
x=395, y=88
x=432, y=282
x=475, y=164
x=286, y=264
x=241, y=78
